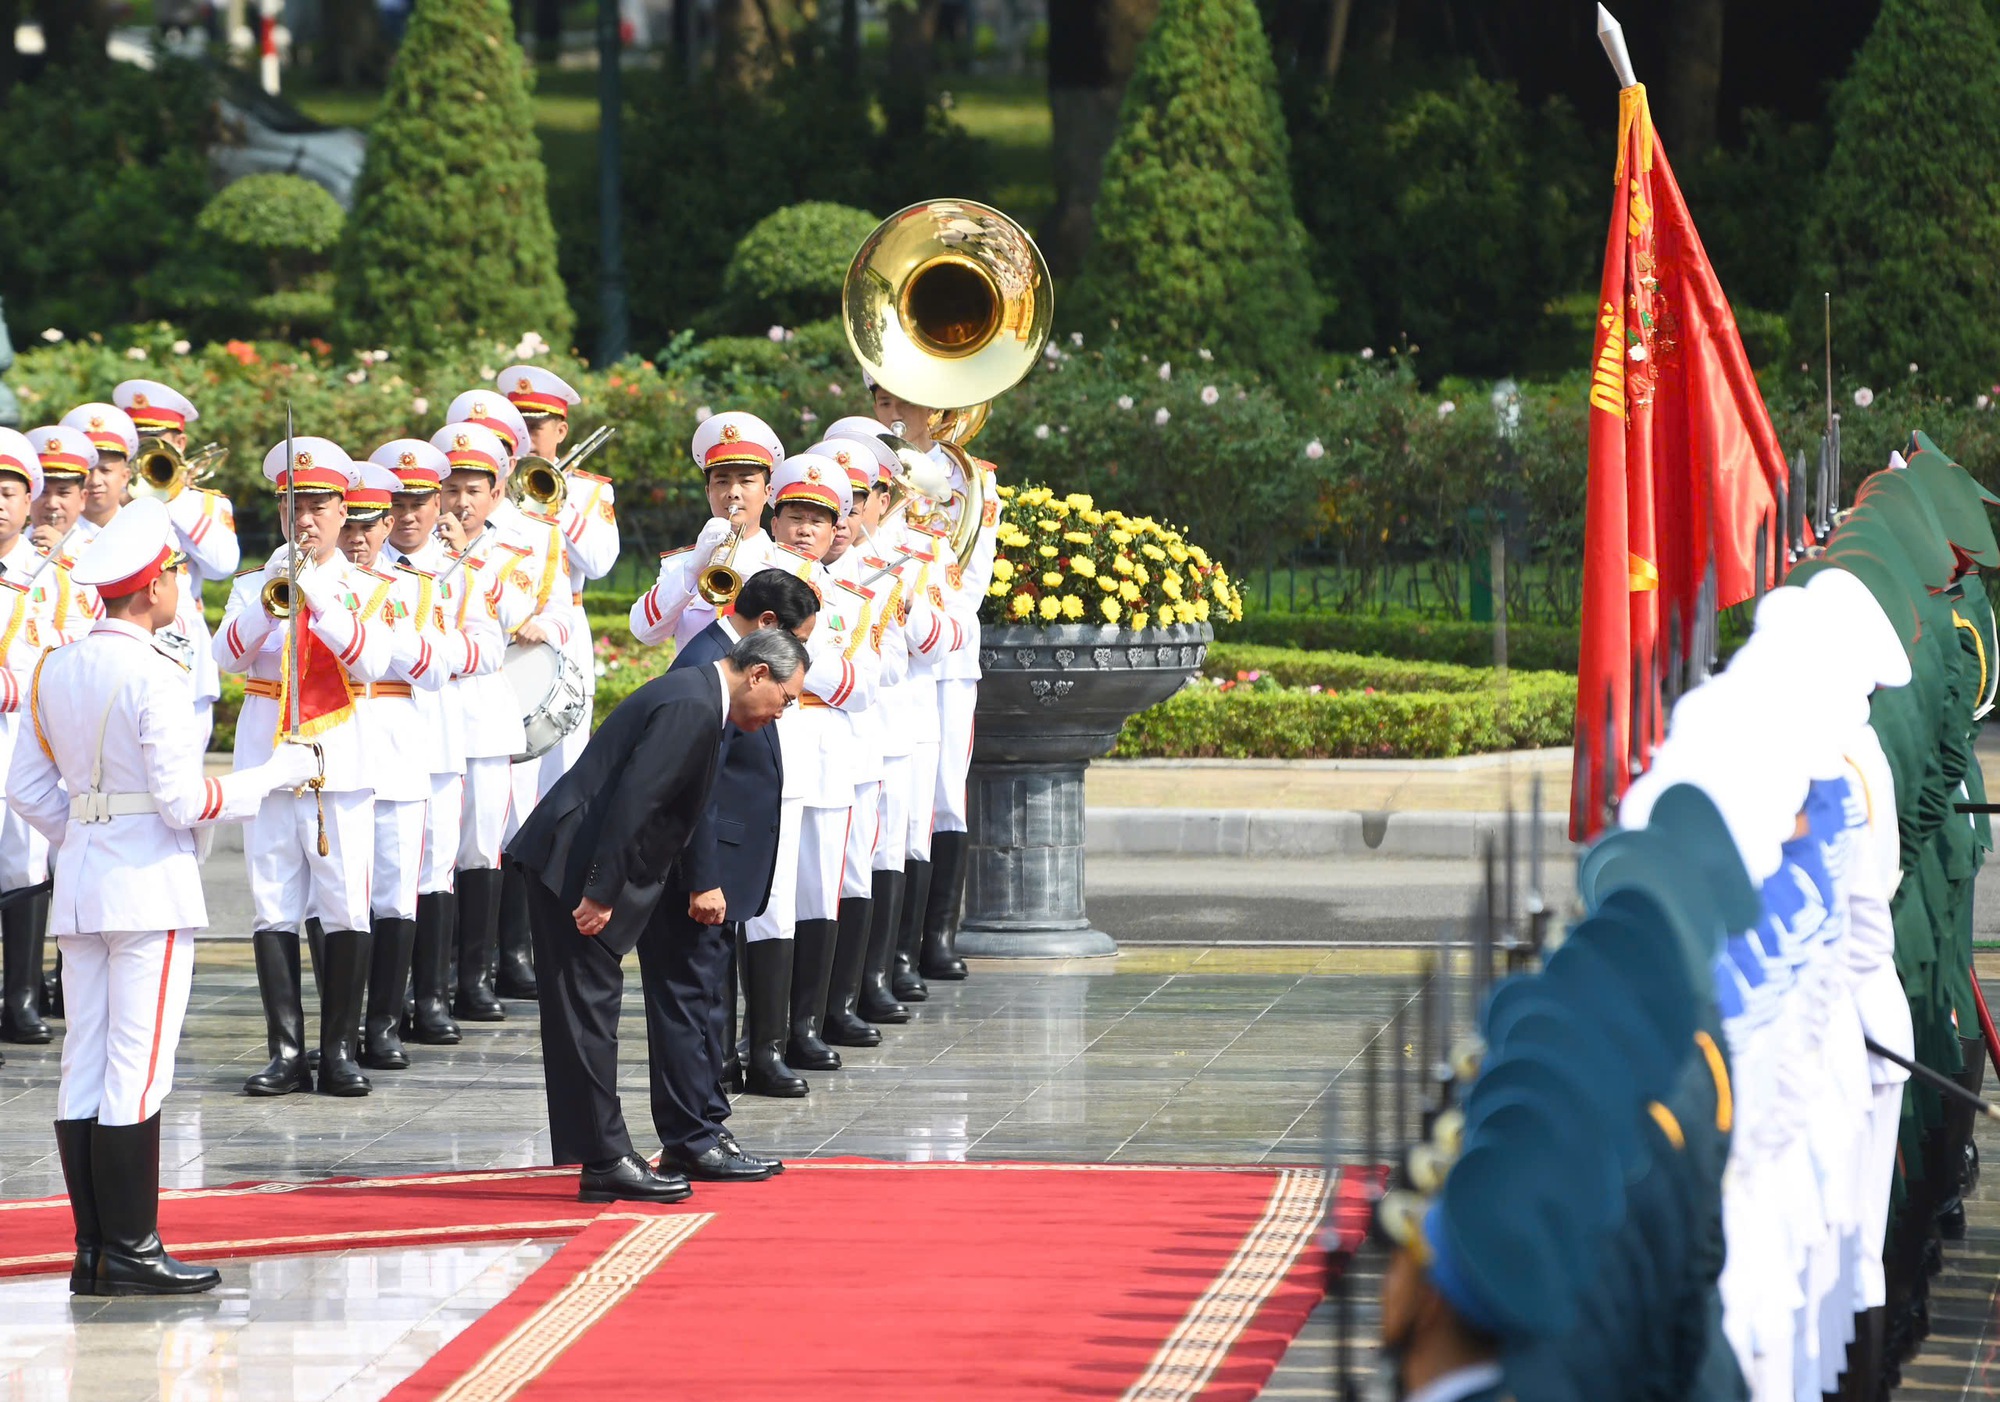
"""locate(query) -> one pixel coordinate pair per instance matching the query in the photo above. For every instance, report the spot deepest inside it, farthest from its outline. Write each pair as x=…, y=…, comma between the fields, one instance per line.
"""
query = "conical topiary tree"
x=1198, y=244
x=1906, y=229
x=449, y=237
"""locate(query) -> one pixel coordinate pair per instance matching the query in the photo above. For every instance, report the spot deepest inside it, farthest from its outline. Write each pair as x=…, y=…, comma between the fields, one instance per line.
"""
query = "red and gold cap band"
x=313, y=479
x=530, y=401
x=366, y=498
x=10, y=463
x=133, y=583
x=818, y=493
x=154, y=417
x=732, y=450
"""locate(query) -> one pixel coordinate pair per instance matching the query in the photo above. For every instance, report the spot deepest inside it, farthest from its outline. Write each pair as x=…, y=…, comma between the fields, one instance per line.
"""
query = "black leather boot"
x=23, y=928
x=812, y=974
x=1957, y=1163
x=877, y=1004
x=73, y=1147
x=844, y=1026
x=904, y=980
x=478, y=932
x=388, y=981
x=277, y=955
x=938, y=958
x=52, y=999
x=516, y=978
x=125, y=1175
x=767, y=1005
x=430, y=971
x=341, y=993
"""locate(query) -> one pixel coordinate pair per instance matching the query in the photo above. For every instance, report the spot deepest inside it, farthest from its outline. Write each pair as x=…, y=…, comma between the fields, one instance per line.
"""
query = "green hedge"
x=1531, y=647
x=1202, y=723
x=1344, y=671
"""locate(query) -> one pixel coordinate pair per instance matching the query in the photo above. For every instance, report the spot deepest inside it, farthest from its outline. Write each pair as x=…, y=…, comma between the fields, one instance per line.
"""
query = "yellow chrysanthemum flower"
x=1022, y=606
x=1004, y=492
x=1178, y=552
x=1184, y=612
x=1121, y=537
x=998, y=589
x=1092, y=518
x=1079, y=501
x=1122, y=564
x=1049, y=552
x=1201, y=610
x=1052, y=579
x=1171, y=583
x=1003, y=569
x=1138, y=619
x=1110, y=607
x=1083, y=565
x=1072, y=607
x=1152, y=551
x=1107, y=584
x=1049, y=524
x=1129, y=592
x=1199, y=555
x=1077, y=537
x=1050, y=608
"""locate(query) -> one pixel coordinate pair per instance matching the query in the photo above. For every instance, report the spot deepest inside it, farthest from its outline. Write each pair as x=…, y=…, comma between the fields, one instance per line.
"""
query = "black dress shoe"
x=631, y=1179
x=728, y=1141
x=715, y=1165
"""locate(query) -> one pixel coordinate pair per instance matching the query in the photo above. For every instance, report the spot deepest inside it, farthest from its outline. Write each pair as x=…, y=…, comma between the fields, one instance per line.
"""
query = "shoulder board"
x=669, y=554
x=373, y=574
x=538, y=516
x=937, y=532
x=920, y=554
x=407, y=568
x=254, y=569
x=985, y=465
x=578, y=472
x=511, y=548
x=855, y=589
x=211, y=492
x=873, y=563
x=66, y=562
x=17, y=588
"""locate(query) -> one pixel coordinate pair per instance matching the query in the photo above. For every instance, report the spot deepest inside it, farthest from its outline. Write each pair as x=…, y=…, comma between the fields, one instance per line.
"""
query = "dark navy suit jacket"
x=734, y=844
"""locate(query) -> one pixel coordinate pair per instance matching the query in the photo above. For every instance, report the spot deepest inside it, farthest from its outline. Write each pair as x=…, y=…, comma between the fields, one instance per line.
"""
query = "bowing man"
x=599, y=852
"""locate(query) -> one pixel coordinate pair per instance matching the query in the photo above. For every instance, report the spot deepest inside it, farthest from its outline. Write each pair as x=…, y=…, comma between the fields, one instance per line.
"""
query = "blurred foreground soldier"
x=204, y=525
x=26, y=604
x=310, y=854
x=726, y=872
x=114, y=774
x=600, y=851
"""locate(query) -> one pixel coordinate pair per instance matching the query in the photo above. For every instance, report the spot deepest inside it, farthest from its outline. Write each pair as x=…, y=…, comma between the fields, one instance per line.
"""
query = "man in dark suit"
x=725, y=872
x=599, y=851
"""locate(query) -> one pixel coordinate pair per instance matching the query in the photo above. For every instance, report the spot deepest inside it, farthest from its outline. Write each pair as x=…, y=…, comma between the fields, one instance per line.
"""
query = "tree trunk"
x=10, y=59
x=1382, y=47
x=913, y=32
x=66, y=26
x=350, y=45
x=1092, y=47
x=1336, y=38
x=1693, y=86
x=752, y=40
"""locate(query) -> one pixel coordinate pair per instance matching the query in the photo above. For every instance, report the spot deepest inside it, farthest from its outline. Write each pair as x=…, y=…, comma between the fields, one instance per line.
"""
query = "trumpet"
x=277, y=597
x=718, y=581
x=537, y=481
x=159, y=469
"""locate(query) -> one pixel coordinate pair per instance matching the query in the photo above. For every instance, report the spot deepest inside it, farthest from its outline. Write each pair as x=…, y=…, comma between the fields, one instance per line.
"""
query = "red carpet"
x=837, y=1280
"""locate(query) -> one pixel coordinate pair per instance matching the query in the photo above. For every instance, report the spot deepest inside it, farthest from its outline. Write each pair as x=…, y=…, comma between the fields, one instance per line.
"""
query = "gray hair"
x=773, y=648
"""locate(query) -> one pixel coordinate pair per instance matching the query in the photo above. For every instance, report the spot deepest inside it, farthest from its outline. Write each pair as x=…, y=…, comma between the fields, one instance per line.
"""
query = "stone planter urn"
x=1051, y=700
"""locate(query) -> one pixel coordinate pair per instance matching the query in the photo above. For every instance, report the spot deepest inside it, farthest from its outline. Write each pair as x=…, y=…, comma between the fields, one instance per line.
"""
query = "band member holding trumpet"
x=491, y=569
x=114, y=773
x=204, y=522
x=306, y=652
x=456, y=622
x=736, y=453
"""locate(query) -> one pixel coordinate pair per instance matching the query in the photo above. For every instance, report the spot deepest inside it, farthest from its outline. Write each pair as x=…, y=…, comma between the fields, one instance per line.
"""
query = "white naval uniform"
x=958, y=675
x=289, y=879
x=934, y=631
x=493, y=730
x=891, y=711
x=394, y=742
x=467, y=648
x=871, y=739
x=590, y=525
x=28, y=628
x=205, y=529
x=113, y=772
x=816, y=740
x=546, y=570
x=672, y=608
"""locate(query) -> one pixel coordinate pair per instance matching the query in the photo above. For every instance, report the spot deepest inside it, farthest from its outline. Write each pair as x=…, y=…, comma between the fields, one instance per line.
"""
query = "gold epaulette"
x=17, y=588
x=855, y=589
x=254, y=569
x=669, y=554
x=588, y=476
x=407, y=568
x=936, y=532
x=375, y=574
x=538, y=516
x=522, y=550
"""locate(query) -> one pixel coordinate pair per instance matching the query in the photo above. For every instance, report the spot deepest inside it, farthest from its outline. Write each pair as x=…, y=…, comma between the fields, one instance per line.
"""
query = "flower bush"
x=1059, y=559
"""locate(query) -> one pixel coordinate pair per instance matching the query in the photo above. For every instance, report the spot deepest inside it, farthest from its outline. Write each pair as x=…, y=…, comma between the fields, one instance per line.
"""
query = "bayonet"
x=296, y=621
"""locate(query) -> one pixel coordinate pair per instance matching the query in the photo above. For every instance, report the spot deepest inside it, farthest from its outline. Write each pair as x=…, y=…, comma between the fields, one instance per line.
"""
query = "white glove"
x=713, y=534
x=321, y=588
x=289, y=766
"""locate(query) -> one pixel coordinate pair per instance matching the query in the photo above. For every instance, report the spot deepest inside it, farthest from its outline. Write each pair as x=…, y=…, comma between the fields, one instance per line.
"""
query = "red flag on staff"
x=1683, y=460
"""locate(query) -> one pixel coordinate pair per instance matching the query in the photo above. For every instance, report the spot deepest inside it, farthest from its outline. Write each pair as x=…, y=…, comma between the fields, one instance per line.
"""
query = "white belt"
x=103, y=807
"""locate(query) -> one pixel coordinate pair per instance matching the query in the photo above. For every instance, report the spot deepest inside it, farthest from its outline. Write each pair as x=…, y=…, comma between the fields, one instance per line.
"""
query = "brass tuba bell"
x=536, y=482
x=159, y=469
x=948, y=304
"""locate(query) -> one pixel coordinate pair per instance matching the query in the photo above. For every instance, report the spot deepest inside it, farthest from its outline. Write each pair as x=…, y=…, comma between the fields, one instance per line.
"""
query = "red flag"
x=1683, y=461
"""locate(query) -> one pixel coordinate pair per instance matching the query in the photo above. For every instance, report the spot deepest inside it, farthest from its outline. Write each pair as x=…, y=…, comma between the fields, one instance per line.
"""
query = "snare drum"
x=549, y=688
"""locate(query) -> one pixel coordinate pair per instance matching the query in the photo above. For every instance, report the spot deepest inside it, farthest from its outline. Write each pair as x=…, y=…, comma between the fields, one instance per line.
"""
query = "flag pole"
x=1611, y=34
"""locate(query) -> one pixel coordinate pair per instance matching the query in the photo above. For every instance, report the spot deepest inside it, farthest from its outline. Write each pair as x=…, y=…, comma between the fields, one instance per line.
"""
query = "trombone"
x=543, y=484
x=161, y=470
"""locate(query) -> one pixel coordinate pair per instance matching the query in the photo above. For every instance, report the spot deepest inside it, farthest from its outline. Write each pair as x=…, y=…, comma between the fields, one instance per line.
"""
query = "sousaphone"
x=948, y=304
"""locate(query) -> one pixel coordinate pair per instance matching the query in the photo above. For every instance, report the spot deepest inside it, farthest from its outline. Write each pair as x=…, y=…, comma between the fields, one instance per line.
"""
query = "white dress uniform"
x=110, y=430
x=935, y=630
x=958, y=674
x=290, y=878
x=114, y=774
x=673, y=608
x=204, y=529
x=31, y=590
